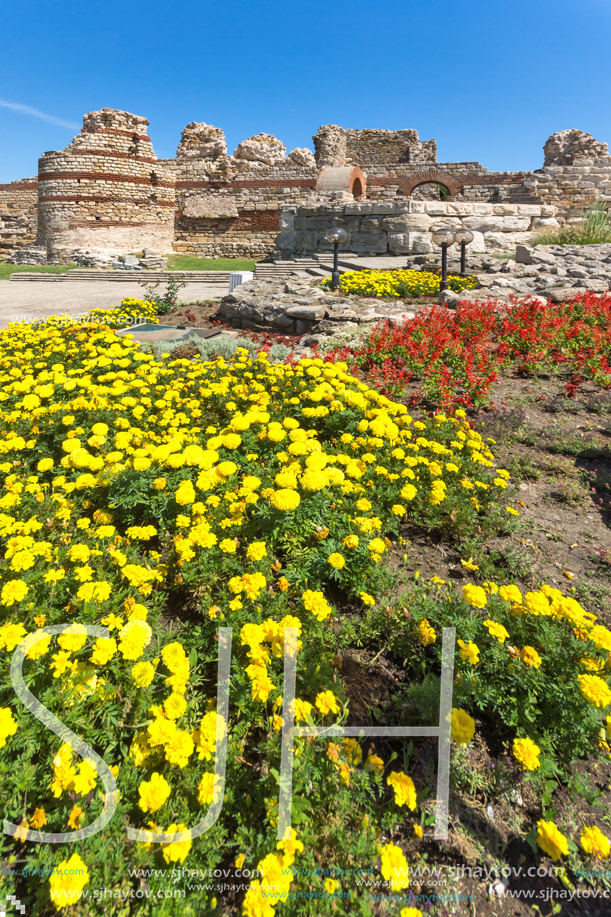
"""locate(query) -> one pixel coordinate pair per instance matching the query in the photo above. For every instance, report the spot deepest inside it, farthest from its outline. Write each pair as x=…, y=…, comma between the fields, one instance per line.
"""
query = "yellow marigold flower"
x=303, y=710
x=530, y=656
x=316, y=603
x=462, y=727
x=469, y=652
x=337, y=561
x=178, y=851
x=496, y=630
x=374, y=764
x=595, y=690
x=134, y=638
x=326, y=702
x=14, y=591
x=366, y=599
x=510, y=594
x=394, y=867
x=426, y=633
x=142, y=674
x=403, y=786
x=153, y=793
x=39, y=819
x=11, y=635
x=67, y=882
x=474, y=596
x=601, y=636
x=8, y=726
x=208, y=790
x=551, y=840
x=593, y=842
x=536, y=603
x=256, y=551
x=408, y=492
x=285, y=500
x=526, y=753
x=351, y=542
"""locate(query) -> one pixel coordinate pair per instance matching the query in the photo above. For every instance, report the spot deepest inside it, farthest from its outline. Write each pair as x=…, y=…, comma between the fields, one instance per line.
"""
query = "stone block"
x=482, y=208
x=375, y=242
x=306, y=241
x=349, y=223
x=504, y=210
x=447, y=222
x=484, y=223
x=371, y=224
x=460, y=209
x=407, y=222
x=523, y=254
x=358, y=208
x=532, y=210
x=413, y=243
x=435, y=208
x=478, y=244
x=548, y=222
x=383, y=207
x=287, y=240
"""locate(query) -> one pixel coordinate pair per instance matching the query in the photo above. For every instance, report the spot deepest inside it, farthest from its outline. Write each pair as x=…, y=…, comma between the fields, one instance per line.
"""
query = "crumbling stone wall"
x=106, y=189
x=576, y=170
x=18, y=214
x=229, y=206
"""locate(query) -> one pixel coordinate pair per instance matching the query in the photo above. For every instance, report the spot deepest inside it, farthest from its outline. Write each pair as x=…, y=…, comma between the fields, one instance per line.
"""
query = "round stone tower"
x=107, y=189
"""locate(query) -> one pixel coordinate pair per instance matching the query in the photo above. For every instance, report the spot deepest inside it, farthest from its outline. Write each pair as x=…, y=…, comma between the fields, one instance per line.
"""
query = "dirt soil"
x=558, y=451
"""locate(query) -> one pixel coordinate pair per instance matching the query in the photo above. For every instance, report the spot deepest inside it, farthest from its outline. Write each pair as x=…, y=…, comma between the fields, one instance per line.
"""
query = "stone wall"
x=405, y=227
x=18, y=214
x=229, y=206
x=107, y=189
x=576, y=170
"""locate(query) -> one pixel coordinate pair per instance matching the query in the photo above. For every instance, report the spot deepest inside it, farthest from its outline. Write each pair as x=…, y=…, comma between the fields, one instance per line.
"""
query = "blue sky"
x=489, y=80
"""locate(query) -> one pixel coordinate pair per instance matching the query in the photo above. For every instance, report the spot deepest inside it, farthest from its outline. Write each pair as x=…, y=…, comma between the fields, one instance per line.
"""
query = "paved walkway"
x=25, y=302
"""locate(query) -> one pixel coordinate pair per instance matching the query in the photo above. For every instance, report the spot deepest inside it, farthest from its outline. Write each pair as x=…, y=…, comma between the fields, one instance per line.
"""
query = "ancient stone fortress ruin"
x=108, y=190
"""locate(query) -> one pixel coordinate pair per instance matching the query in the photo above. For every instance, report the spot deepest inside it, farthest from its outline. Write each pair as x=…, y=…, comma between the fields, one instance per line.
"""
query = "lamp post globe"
x=464, y=237
x=444, y=238
x=336, y=236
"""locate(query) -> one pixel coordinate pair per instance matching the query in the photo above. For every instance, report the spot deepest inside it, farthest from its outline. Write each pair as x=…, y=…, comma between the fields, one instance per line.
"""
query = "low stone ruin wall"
x=18, y=214
x=405, y=227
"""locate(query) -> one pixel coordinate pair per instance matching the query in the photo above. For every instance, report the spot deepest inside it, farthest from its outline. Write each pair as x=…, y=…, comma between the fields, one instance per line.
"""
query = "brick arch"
x=407, y=185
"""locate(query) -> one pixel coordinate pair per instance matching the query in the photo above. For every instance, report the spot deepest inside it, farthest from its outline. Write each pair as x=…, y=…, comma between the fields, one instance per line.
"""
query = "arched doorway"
x=357, y=189
x=430, y=191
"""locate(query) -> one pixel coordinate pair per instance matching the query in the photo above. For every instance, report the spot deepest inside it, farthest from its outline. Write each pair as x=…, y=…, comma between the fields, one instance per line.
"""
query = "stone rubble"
x=300, y=306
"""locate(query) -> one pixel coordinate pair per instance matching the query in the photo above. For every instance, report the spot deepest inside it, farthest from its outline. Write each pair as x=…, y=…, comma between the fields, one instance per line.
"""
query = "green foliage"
x=593, y=229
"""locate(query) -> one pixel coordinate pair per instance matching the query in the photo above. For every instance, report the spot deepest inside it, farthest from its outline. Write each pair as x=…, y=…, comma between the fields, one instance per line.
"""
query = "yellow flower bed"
x=398, y=284
x=165, y=499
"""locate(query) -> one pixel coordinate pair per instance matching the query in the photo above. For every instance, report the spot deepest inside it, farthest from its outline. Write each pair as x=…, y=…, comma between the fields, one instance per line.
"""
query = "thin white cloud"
x=34, y=113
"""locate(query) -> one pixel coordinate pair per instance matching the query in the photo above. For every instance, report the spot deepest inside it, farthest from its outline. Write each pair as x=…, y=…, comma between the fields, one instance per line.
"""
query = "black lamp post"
x=444, y=238
x=336, y=235
x=464, y=237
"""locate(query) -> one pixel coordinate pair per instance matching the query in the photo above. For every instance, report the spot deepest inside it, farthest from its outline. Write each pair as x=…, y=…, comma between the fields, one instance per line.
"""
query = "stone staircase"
x=280, y=269
x=141, y=277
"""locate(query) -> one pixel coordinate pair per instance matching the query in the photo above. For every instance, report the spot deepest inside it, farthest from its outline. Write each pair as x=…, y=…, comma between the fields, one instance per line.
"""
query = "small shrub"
x=164, y=300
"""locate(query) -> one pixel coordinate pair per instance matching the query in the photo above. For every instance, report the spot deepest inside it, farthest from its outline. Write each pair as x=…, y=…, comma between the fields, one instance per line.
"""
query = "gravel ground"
x=25, y=302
